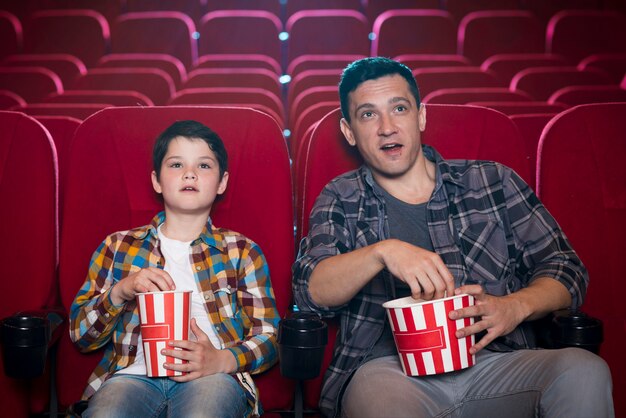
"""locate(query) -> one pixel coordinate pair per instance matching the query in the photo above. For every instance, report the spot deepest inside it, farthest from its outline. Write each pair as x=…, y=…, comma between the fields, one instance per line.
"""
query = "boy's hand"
x=204, y=359
x=150, y=279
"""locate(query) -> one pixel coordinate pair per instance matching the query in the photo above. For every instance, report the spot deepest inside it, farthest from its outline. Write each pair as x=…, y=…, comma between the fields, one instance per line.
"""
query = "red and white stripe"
x=425, y=336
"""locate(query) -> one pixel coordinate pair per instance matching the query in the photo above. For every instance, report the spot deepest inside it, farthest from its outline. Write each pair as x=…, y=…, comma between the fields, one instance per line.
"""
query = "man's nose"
x=386, y=126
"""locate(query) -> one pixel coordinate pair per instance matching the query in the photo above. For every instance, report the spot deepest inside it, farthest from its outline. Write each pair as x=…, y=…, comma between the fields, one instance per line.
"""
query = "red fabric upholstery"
x=313, y=78
x=76, y=110
x=195, y=9
x=530, y=126
x=310, y=97
x=575, y=95
x=545, y=9
x=66, y=66
x=581, y=180
x=580, y=33
x=171, y=65
x=239, y=60
x=542, y=82
x=417, y=61
x=234, y=77
x=507, y=65
x=486, y=33
x=156, y=32
x=9, y=99
x=318, y=31
x=55, y=31
x=293, y=6
x=306, y=119
x=109, y=189
x=463, y=95
x=320, y=62
x=30, y=83
x=435, y=78
x=399, y=32
x=272, y=6
x=29, y=249
x=154, y=83
x=612, y=64
x=516, y=108
x=222, y=32
x=112, y=97
x=373, y=8
x=460, y=8
x=11, y=34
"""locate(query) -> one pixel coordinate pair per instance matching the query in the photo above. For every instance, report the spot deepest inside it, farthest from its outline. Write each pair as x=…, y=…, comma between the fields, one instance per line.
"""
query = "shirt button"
x=106, y=315
x=208, y=296
x=131, y=348
x=198, y=268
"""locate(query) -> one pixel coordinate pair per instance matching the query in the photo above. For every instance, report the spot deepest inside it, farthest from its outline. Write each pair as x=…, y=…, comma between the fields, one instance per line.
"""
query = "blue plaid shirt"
x=485, y=223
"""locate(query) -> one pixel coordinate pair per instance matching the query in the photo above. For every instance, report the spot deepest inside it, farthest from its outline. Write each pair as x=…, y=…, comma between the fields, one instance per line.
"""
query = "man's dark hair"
x=190, y=129
x=371, y=68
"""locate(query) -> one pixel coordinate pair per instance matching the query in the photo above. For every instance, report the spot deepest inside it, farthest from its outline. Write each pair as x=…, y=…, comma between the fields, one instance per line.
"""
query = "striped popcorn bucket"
x=164, y=316
x=425, y=336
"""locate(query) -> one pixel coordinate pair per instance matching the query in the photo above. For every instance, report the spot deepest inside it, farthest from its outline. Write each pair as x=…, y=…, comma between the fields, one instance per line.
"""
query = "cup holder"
x=24, y=345
x=301, y=342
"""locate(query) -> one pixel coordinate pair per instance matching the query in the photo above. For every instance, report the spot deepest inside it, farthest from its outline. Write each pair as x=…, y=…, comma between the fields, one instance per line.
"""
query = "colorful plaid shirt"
x=232, y=275
x=486, y=224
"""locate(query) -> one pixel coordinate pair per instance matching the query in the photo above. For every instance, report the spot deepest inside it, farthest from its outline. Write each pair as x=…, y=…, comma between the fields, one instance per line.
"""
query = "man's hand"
x=424, y=271
x=203, y=358
x=497, y=315
x=150, y=279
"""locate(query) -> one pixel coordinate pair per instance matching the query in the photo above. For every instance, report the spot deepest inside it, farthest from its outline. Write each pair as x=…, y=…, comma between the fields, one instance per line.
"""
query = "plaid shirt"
x=485, y=223
x=232, y=275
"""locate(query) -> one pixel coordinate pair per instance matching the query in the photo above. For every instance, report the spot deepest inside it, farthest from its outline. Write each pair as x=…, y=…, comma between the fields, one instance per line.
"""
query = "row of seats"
x=573, y=34
x=106, y=187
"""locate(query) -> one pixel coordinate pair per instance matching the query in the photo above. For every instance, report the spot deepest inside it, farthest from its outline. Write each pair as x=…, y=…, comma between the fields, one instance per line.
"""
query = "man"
x=410, y=223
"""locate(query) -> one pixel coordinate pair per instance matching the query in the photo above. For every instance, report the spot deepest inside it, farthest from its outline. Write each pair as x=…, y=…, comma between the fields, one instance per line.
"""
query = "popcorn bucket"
x=425, y=336
x=164, y=316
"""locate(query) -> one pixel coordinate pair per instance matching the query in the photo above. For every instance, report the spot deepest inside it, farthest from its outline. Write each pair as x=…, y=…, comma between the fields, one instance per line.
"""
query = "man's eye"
x=367, y=114
x=401, y=108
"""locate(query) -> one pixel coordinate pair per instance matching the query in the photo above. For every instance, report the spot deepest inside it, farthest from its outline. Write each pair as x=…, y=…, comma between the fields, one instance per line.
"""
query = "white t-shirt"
x=178, y=265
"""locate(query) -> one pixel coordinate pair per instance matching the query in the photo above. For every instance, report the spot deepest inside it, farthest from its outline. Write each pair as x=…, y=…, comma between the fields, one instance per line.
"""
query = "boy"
x=234, y=316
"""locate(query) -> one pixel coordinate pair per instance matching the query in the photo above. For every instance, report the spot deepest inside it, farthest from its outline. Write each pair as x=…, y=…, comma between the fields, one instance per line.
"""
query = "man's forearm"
x=542, y=296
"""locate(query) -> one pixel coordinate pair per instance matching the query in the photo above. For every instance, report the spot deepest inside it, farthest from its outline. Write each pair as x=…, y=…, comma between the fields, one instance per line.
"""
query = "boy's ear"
x=155, y=183
x=223, y=183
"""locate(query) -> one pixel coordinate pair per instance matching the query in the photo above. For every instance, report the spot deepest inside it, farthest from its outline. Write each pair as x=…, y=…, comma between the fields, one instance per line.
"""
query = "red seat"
x=435, y=78
x=516, y=108
x=9, y=99
x=486, y=33
x=112, y=97
x=332, y=31
x=577, y=34
x=29, y=250
x=309, y=117
x=75, y=110
x=66, y=66
x=460, y=8
x=156, y=33
x=272, y=6
x=542, y=82
x=465, y=95
x=417, y=61
x=575, y=95
x=79, y=32
x=310, y=97
x=30, y=83
x=581, y=180
x=320, y=62
x=195, y=9
x=612, y=64
x=11, y=34
x=107, y=8
x=154, y=83
x=312, y=78
x=399, y=32
x=505, y=66
x=239, y=61
x=234, y=77
x=545, y=9
x=241, y=32
x=530, y=126
x=256, y=97
x=171, y=65
x=120, y=140
x=293, y=6
x=374, y=8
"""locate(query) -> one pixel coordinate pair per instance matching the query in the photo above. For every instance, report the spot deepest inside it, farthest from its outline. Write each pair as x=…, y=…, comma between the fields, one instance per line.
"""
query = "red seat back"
x=66, y=66
x=30, y=83
x=11, y=34
x=111, y=152
x=542, y=82
x=234, y=77
x=463, y=95
x=435, y=78
x=168, y=63
x=575, y=95
x=505, y=66
x=582, y=181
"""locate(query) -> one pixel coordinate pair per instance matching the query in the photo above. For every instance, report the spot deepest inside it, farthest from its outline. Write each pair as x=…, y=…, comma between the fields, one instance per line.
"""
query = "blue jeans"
x=132, y=396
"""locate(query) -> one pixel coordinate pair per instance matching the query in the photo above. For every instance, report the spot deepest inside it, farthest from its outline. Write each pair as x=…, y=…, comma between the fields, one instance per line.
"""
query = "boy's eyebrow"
x=201, y=157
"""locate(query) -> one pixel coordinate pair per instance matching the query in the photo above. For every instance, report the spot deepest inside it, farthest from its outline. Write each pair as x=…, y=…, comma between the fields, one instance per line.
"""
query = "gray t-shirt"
x=407, y=222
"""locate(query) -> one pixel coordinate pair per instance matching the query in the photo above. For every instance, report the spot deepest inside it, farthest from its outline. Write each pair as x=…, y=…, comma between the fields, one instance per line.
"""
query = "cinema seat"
x=11, y=34
x=234, y=77
x=156, y=33
x=461, y=8
x=9, y=99
x=542, y=82
x=195, y=9
x=580, y=179
x=293, y=6
x=374, y=8
x=577, y=34
x=30, y=83
x=309, y=117
x=112, y=97
x=80, y=32
x=111, y=152
x=66, y=66
x=271, y=6
x=28, y=184
x=239, y=61
x=507, y=65
x=166, y=62
x=320, y=62
x=313, y=78
x=406, y=31
x=310, y=97
x=522, y=107
x=417, y=61
x=463, y=95
x=435, y=78
x=613, y=64
x=575, y=95
x=486, y=33
x=79, y=111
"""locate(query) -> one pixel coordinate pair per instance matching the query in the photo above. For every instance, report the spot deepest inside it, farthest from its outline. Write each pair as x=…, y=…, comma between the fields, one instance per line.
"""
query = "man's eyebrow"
x=364, y=106
x=399, y=99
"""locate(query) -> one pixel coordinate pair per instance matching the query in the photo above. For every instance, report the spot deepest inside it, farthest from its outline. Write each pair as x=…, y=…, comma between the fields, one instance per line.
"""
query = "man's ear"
x=223, y=183
x=421, y=118
x=347, y=131
x=155, y=183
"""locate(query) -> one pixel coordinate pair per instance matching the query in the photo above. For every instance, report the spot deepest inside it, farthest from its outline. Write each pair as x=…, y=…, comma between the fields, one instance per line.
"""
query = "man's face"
x=190, y=177
x=385, y=125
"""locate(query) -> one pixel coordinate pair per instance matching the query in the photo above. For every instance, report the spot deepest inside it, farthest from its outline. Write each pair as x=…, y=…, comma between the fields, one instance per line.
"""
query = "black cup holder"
x=25, y=341
x=576, y=329
x=301, y=342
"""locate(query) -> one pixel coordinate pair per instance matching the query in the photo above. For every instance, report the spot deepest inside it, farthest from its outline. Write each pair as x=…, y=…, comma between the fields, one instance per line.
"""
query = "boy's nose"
x=190, y=175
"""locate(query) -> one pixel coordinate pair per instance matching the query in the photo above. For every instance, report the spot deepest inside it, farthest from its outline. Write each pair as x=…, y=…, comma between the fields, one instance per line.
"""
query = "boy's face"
x=190, y=177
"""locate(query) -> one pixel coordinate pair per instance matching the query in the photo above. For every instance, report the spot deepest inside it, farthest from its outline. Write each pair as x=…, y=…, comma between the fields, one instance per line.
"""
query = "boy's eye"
x=176, y=165
x=205, y=165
